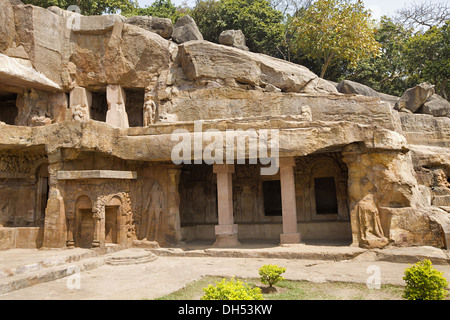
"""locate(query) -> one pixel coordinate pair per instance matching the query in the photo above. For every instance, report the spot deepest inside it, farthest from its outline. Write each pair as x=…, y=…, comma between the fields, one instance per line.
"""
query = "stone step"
x=47, y=262
x=299, y=251
x=131, y=256
x=21, y=281
x=67, y=263
x=21, y=263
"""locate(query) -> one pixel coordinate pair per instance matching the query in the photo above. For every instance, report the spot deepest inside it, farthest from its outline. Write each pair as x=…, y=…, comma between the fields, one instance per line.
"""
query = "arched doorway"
x=112, y=220
x=84, y=223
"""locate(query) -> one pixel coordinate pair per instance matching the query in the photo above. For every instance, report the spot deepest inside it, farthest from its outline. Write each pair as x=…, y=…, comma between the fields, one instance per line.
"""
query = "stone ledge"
x=96, y=174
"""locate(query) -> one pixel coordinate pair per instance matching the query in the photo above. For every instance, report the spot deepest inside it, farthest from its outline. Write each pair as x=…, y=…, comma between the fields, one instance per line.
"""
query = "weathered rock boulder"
x=413, y=98
x=185, y=29
x=206, y=60
x=41, y=33
x=128, y=55
x=352, y=87
x=426, y=130
x=96, y=24
x=234, y=38
x=161, y=26
x=14, y=72
x=7, y=27
x=392, y=100
x=436, y=106
x=17, y=52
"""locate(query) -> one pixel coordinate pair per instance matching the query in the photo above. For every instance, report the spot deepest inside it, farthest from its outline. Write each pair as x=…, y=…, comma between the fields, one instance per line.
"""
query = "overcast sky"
x=378, y=7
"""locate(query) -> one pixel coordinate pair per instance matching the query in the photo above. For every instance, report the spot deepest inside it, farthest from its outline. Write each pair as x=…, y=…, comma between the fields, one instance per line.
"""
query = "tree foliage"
x=88, y=7
x=159, y=8
x=424, y=15
x=333, y=30
x=428, y=57
x=387, y=72
x=260, y=23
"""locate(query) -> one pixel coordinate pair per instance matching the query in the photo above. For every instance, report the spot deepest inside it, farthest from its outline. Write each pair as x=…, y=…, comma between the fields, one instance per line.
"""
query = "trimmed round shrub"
x=271, y=274
x=232, y=289
x=423, y=282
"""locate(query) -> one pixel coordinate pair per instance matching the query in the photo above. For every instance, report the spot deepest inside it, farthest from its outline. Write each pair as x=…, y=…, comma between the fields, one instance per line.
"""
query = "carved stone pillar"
x=226, y=231
x=116, y=115
x=288, y=202
x=70, y=226
x=173, y=205
x=55, y=218
x=80, y=104
x=97, y=225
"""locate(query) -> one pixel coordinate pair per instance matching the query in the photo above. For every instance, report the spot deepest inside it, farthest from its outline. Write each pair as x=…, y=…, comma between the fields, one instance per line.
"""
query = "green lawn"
x=298, y=290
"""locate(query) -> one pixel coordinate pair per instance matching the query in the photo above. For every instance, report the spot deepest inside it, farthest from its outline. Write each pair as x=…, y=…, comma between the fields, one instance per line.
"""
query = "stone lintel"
x=96, y=174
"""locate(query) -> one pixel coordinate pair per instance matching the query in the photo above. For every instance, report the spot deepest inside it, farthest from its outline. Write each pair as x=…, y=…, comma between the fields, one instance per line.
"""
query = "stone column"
x=226, y=231
x=96, y=214
x=116, y=115
x=70, y=227
x=80, y=103
x=55, y=218
x=58, y=107
x=288, y=202
x=173, y=205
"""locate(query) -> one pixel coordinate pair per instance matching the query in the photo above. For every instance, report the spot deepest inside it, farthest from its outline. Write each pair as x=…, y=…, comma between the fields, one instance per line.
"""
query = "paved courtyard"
x=89, y=276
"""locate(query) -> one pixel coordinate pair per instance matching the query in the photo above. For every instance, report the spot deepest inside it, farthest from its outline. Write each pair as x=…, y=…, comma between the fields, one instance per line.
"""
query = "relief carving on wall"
x=22, y=164
x=371, y=233
x=153, y=206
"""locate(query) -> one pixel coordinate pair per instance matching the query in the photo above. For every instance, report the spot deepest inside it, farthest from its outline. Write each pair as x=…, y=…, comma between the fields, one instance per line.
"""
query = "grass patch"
x=298, y=290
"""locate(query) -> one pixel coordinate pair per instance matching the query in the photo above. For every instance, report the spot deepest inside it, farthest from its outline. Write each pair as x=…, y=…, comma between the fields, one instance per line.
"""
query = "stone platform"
x=310, y=250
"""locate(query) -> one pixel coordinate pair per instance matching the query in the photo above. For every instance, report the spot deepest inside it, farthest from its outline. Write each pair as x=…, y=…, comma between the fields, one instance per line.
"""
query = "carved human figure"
x=149, y=112
x=306, y=113
x=154, y=209
x=371, y=233
x=80, y=112
x=38, y=119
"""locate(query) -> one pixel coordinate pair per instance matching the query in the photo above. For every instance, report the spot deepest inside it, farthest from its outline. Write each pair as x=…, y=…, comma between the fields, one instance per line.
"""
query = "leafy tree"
x=160, y=8
x=428, y=57
x=88, y=7
x=387, y=72
x=260, y=23
x=207, y=15
x=335, y=30
x=424, y=15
